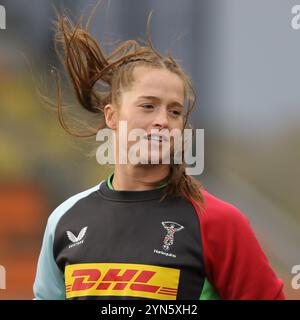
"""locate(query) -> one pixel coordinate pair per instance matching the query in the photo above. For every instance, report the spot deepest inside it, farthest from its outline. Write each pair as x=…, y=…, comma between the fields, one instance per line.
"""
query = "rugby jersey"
x=108, y=244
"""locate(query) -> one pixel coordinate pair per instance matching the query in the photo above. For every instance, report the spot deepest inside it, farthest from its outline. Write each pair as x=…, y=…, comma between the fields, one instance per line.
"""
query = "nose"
x=161, y=119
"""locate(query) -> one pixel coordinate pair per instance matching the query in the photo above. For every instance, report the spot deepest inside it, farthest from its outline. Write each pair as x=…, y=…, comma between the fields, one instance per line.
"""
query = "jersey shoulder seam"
x=65, y=206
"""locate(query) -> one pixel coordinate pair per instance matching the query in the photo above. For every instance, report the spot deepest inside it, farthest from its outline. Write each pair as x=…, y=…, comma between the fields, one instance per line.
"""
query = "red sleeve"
x=235, y=263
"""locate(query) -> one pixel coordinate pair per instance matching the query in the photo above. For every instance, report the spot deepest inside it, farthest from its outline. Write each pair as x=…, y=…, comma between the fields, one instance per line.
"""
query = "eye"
x=176, y=113
x=148, y=106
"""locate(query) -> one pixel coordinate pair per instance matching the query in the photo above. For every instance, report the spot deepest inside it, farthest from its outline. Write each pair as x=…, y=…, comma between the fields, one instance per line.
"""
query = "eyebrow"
x=158, y=99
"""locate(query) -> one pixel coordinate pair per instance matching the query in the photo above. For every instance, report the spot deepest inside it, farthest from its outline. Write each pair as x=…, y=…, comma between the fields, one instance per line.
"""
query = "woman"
x=149, y=231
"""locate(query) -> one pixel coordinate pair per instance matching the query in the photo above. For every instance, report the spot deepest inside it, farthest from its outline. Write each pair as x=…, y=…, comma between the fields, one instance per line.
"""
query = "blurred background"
x=244, y=60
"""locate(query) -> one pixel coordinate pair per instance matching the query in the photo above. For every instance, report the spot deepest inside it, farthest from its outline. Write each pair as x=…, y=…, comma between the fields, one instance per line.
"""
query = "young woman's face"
x=154, y=101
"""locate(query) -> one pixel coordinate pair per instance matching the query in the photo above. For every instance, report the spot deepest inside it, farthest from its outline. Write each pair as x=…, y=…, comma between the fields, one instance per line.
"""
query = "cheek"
x=136, y=120
x=177, y=123
x=132, y=121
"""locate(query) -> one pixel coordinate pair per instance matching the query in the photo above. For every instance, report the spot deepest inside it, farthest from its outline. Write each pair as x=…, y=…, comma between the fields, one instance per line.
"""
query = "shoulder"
x=65, y=206
x=235, y=262
x=221, y=214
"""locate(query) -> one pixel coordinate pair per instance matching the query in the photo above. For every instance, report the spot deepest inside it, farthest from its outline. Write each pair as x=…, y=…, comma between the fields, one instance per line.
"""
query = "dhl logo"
x=115, y=279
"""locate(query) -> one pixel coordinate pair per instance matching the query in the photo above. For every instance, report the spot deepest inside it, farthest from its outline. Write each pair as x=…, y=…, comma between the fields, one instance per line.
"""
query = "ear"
x=110, y=114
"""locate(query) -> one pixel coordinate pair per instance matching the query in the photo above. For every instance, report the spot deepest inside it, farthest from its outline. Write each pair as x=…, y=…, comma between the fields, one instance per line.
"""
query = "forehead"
x=157, y=82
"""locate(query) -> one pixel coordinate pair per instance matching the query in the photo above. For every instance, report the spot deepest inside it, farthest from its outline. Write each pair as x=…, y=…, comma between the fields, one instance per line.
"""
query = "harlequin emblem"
x=171, y=228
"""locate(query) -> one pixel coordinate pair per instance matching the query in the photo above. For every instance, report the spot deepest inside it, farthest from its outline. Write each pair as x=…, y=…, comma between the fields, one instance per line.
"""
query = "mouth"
x=155, y=137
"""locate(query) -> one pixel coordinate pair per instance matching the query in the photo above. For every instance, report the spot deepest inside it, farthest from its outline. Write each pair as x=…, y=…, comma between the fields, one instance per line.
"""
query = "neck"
x=138, y=177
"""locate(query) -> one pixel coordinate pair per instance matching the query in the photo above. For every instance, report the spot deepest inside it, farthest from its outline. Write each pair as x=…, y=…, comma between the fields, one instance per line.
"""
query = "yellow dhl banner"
x=121, y=279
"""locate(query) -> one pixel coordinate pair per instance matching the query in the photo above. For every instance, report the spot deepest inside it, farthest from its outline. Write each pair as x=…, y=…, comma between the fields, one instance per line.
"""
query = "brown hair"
x=98, y=79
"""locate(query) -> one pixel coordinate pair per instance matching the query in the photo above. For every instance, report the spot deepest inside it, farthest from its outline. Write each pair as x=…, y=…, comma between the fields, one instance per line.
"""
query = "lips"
x=155, y=137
